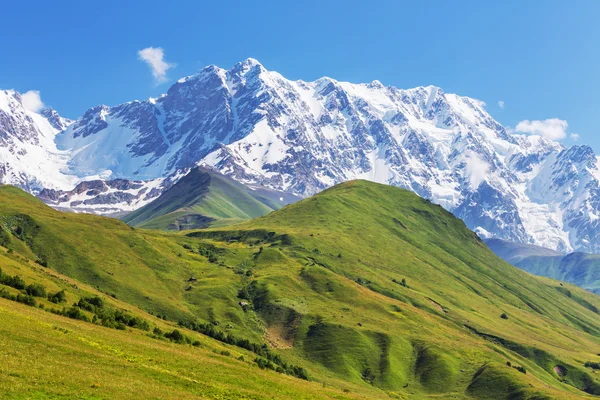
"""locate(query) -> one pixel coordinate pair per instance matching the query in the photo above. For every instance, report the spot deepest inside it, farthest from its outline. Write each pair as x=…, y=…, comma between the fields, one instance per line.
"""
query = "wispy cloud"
x=32, y=100
x=501, y=104
x=155, y=58
x=552, y=128
x=574, y=136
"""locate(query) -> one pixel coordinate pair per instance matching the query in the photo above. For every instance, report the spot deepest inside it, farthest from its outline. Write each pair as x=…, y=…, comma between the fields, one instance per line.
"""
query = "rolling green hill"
x=373, y=291
x=581, y=269
x=205, y=198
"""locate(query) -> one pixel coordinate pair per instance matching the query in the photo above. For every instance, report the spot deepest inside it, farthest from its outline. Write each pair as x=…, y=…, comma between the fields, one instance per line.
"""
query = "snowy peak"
x=59, y=123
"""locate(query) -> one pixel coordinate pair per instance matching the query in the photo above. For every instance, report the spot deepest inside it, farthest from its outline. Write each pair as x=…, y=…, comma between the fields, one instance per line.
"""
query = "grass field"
x=370, y=288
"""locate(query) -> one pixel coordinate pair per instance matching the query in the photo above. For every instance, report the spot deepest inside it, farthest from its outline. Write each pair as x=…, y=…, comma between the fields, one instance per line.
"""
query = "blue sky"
x=540, y=58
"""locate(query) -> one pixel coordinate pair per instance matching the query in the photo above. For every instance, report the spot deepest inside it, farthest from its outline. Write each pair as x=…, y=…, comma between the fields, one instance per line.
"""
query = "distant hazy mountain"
x=581, y=269
x=300, y=137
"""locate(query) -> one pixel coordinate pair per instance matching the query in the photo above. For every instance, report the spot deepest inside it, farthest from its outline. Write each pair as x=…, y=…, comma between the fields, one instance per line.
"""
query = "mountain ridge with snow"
x=302, y=137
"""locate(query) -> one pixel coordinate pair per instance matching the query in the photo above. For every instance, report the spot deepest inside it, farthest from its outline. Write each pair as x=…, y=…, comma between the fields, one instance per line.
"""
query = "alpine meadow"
x=277, y=229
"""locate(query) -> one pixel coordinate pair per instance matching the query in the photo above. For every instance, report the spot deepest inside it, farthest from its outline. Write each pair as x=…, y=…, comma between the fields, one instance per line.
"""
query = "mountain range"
x=297, y=137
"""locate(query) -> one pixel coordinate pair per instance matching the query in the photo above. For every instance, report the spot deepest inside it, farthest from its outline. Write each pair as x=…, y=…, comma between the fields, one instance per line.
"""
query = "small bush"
x=58, y=297
x=175, y=336
x=13, y=281
x=26, y=299
x=75, y=313
x=368, y=376
x=592, y=365
x=36, y=290
x=520, y=369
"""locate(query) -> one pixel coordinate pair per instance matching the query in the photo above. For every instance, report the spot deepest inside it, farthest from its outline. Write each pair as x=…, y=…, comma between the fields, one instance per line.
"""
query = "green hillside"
x=373, y=291
x=581, y=269
x=204, y=198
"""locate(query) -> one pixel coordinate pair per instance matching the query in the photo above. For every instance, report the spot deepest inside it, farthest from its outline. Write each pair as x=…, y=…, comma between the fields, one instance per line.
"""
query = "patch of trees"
x=253, y=237
x=108, y=316
x=102, y=313
x=519, y=368
x=13, y=281
x=20, y=298
x=206, y=250
x=592, y=365
x=362, y=281
x=58, y=297
x=401, y=282
x=266, y=355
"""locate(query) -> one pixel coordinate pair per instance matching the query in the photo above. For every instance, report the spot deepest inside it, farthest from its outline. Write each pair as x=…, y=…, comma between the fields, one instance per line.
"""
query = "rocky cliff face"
x=301, y=137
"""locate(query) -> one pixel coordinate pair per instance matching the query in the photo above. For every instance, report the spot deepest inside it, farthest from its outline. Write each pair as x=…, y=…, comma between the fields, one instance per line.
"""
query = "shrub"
x=58, y=297
x=261, y=350
x=175, y=336
x=593, y=365
x=520, y=369
x=36, y=290
x=92, y=304
x=26, y=299
x=13, y=281
x=401, y=283
x=75, y=313
x=368, y=376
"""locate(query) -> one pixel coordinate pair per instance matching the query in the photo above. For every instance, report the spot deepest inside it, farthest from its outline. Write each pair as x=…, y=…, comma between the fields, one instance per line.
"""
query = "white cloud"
x=500, y=104
x=552, y=128
x=154, y=57
x=32, y=100
x=574, y=136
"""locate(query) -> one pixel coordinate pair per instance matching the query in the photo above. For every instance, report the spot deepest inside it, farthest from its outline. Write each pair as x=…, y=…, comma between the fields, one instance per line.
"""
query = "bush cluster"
x=268, y=357
x=102, y=314
x=108, y=316
x=520, y=369
x=592, y=365
x=401, y=283
x=21, y=298
x=207, y=250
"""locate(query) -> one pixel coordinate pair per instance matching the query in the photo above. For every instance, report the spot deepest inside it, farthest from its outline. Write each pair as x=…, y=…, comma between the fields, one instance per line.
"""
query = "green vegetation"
x=200, y=199
x=593, y=365
x=365, y=290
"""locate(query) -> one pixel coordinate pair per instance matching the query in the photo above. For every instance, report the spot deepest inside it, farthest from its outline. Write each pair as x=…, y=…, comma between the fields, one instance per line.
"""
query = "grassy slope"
x=201, y=193
x=40, y=352
x=581, y=269
x=324, y=295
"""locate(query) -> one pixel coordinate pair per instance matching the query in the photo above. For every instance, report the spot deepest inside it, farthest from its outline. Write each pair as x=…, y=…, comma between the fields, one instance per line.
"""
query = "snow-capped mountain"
x=301, y=137
x=109, y=197
x=28, y=154
x=30, y=159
